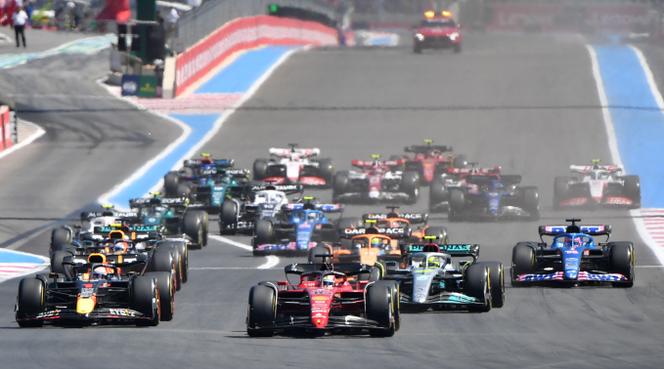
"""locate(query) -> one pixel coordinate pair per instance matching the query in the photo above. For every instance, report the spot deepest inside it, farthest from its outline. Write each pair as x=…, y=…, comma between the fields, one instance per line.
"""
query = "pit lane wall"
x=6, y=140
x=244, y=34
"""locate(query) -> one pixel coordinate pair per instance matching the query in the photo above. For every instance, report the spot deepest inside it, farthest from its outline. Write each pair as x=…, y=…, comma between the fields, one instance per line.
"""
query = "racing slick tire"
x=497, y=282
x=477, y=284
x=457, y=204
x=381, y=307
x=339, y=184
x=61, y=236
x=326, y=169
x=417, y=48
x=622, y=260
x=523, y=260
x=259, y=169
x=530, y=198
x=438, y=193
x=315, y=252
x=183, y=189
x=632, y=189
x=262, y=311
x=193, y=225
x=439, y=232
x=264, y=232
x=560, y=190
x=457, y=48
x=171, y=182
x=410, y=184
x=228, y=217
x=57, y=265
x=460, y=161
x=179, y=260
x=145, y=299
x=166, y=289
x=31, y=297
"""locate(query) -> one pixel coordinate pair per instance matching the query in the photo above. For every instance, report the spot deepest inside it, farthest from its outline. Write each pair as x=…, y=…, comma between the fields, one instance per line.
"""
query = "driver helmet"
x=311, y=216
x=433, y=262
x=206, y=158
x=329, y=280
x=376, y=242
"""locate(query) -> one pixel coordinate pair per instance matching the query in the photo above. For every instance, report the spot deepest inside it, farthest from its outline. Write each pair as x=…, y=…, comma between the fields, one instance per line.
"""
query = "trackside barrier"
x=242, y=34
x=5, y=128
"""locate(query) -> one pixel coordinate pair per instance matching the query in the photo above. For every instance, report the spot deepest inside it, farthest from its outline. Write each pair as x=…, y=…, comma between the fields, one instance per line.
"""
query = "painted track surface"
x=353, y=103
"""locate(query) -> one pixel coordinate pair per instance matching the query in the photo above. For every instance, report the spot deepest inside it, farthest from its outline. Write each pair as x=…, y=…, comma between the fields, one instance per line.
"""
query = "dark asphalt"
x=352, y=103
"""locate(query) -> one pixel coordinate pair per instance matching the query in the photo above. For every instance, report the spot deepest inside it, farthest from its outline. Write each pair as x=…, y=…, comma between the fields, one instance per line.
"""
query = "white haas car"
x=262, y=201
x=597, y=185
x=294, y=165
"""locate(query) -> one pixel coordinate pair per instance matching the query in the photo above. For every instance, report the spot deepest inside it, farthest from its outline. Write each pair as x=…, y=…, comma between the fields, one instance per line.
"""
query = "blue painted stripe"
x=237, y=77
x=240, y=75
x=639, y=131
x=9, y=256
x=200, y=125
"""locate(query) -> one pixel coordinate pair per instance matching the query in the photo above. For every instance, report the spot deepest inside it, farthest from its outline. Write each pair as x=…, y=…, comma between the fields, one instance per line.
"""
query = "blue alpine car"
x=573, y=257
x=299, y=228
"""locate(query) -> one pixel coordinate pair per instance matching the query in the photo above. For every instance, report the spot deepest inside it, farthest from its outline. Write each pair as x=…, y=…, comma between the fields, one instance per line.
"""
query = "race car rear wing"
x=307, y=152
x=326, y=208
x=286, y=188
x=346, y=268
x=423, y=149
x=414, y=218
x=392, y=232
x=591, y=230
x=370, y=163
x=452, y=249
x=219, y=163
x=584, y=169
x=87, y=215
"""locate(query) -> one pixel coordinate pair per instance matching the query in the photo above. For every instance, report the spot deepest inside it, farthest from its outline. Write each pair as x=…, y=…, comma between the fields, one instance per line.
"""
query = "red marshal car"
x=437, y=32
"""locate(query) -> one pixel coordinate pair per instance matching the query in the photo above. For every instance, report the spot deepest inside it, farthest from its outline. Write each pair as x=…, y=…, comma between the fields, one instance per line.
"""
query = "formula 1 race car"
x=598, y=185
x=177, y=218
x=488, y=198
x=259, y=201
x=324, y=298
x=416, y=224
x=294, y=166
x=433, y=277
x=437, y=32
x=573, y=257
x=122, y=241
x=298, y=228
x=178, y=183
x=97, y=293
x=430, y=160
x=439, y=190
x=379, y=180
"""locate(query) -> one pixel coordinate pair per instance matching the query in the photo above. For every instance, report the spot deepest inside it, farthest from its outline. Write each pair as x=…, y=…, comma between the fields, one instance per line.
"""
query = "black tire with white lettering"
x=171, y=182
x=228, y=217
x=477, y=284
x=260, y=169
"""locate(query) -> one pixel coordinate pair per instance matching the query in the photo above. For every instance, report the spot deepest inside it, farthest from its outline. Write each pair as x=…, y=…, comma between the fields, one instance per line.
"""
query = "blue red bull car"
x=297, y=229
x=573, y=257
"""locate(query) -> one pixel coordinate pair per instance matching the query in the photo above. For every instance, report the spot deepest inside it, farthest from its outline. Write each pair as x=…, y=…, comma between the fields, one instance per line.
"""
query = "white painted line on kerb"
x=23, y=143
x=613, y=142
x=270, y=260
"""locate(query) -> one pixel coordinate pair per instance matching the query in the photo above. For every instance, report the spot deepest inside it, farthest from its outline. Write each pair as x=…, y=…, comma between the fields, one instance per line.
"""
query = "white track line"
x=613, y=142
x=23, y=143
x=270, y=261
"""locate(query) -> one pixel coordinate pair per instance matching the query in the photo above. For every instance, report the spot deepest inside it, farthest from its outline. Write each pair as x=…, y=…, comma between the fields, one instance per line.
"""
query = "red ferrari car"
x=430, y=160
x=437, y=32
x=324, y=298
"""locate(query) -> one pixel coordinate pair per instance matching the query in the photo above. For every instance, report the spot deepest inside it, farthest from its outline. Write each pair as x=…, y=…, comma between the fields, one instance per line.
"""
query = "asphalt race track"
x=524, y=102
